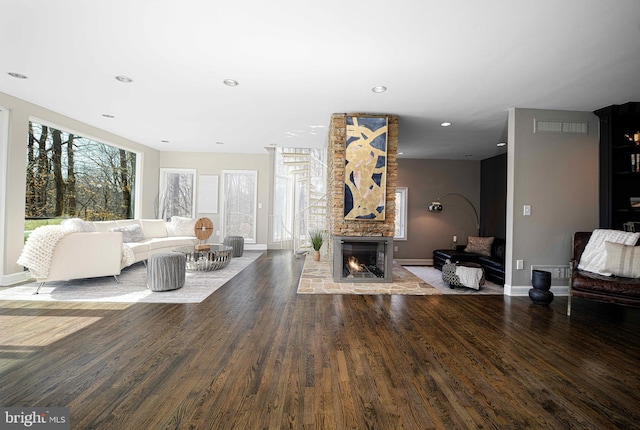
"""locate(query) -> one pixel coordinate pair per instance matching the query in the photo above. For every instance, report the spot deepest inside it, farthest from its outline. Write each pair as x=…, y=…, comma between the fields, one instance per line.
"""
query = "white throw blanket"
x=469, y=276
x=594, y=255
x=37, y=253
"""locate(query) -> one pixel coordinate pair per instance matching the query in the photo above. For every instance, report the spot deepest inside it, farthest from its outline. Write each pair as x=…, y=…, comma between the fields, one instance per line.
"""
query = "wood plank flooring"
x=255, y=355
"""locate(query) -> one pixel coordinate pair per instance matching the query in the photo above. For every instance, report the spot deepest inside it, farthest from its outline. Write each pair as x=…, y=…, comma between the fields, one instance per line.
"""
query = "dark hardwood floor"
x=255, y=355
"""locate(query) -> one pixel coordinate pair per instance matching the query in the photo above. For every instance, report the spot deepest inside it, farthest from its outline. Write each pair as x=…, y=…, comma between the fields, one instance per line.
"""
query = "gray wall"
x=427, y=180
x=557, y=174
x=20, y=112
x=213, y=164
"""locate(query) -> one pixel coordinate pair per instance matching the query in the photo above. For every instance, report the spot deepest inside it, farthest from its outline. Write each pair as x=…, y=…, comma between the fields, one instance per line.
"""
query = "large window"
x=72, y=176
x=177, y=193
x=239, y=201
x=401, y=214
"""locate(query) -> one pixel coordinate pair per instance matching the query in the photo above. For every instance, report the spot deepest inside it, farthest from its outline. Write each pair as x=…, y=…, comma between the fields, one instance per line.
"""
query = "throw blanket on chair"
x=37, y=253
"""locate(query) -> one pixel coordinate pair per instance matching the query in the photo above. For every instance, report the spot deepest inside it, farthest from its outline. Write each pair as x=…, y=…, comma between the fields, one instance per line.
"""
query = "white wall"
x=20, y=112
x=557, y=174
x=214, y=164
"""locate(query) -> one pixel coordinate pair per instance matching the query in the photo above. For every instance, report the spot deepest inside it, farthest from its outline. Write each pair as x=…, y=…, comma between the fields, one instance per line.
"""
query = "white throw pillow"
x=154, y=227
x=182, y=226
x=594, y=255
x=77, y=224
x=623, y=260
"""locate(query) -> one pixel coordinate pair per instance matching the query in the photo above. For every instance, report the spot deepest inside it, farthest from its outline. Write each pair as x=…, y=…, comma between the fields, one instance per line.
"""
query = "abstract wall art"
x=365, y=168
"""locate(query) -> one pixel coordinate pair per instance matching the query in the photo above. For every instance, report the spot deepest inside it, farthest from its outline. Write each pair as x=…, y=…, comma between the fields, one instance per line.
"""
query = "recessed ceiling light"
x=379, y=89
x=124, y=79
x=106, y=115
x=468, y=155
x=231, y=82
x=502, y=144
x=164, y=141
x=17, y=75
x=219, y=143
x=445, y=124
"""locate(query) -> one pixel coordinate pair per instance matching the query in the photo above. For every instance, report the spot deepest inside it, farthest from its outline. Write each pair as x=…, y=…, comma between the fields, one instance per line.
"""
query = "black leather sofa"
x=493, y=265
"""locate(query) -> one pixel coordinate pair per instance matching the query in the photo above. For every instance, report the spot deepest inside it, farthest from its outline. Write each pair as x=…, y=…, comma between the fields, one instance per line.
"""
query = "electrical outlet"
x=519, y=264
x=395, y=249
x=526, y=210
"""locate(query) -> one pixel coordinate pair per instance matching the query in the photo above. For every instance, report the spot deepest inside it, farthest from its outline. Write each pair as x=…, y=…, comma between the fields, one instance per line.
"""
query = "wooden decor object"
x=203, y=230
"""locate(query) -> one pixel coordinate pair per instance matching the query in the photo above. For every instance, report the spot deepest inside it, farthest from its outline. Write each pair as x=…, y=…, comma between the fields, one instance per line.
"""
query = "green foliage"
x=32, y=224
x=317, y=239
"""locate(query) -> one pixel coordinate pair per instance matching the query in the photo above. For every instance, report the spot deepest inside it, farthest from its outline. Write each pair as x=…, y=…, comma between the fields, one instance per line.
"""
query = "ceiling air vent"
x=541, y=126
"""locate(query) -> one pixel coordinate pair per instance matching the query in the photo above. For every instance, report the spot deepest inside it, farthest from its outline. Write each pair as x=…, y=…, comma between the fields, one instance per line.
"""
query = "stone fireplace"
x=368, y=240
x=362, y=259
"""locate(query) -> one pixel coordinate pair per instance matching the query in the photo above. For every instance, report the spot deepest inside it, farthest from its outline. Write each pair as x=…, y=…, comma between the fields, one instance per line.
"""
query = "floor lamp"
x=436, y=206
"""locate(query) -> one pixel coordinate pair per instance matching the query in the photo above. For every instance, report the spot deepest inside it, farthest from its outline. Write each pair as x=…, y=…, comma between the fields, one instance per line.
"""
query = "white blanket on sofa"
x=37, y=253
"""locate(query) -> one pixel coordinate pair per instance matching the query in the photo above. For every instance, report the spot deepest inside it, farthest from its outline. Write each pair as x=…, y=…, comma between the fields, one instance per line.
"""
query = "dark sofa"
x=589, y=285
x=493, y=265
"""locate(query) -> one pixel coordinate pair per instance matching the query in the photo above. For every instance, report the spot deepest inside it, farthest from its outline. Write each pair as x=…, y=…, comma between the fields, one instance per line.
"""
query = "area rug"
x=433, y=276
x=316, y=278
x=132, y=288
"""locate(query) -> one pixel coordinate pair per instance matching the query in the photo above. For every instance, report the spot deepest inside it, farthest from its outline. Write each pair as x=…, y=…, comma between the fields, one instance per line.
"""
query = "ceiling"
x=462, y=61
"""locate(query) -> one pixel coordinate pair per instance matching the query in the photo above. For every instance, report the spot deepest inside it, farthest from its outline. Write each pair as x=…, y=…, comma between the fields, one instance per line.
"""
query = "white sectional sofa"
x=93, y=249
x=159, y=235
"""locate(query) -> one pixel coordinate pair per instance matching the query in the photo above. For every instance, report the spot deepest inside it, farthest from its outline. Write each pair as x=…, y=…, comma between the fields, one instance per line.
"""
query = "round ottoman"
x=166, y=272
x=235, y=242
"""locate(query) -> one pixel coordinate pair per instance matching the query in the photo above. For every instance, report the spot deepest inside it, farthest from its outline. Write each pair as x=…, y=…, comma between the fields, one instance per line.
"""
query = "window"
x=239, y=202
x=177, y=193
x=401, y=214
x=73, y=176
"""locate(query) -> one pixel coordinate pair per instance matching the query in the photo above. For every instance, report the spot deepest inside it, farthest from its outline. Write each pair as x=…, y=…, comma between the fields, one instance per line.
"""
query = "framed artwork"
x=208, y=194
x=365, y=178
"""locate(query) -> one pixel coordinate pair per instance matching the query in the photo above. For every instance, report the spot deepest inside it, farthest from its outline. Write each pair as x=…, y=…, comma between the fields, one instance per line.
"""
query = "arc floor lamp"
x=436, y=206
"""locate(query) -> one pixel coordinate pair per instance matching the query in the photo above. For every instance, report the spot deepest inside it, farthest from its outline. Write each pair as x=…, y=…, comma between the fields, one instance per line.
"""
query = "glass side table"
x=214, y=258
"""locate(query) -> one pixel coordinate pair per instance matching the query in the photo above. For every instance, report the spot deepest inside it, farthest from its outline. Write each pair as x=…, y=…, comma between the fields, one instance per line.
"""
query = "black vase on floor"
x=541, y=282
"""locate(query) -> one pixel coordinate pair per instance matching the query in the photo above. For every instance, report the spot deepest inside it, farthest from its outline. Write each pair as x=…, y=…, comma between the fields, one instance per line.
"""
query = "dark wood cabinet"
x=619, y=165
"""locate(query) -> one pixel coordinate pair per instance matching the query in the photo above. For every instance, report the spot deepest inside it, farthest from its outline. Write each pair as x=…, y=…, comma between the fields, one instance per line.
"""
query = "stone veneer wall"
x=338, y=226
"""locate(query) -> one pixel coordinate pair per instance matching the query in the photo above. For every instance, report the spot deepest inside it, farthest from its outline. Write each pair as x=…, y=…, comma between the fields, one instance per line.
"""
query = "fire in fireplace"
x=362, y=259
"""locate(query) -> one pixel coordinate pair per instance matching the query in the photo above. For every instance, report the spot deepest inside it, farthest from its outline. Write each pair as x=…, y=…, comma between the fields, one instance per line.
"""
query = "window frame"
x=223, y=199
x=164, y=172
x=401, y=212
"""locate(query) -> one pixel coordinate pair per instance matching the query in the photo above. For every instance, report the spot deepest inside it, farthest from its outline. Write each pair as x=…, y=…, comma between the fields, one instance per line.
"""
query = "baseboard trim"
x=414, y=261
x=523, y=291
x=15, y=278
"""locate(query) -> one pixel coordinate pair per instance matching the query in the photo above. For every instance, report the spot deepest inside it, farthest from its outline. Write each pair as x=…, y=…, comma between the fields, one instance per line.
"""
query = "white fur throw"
x=594, y=256
x=182, y=226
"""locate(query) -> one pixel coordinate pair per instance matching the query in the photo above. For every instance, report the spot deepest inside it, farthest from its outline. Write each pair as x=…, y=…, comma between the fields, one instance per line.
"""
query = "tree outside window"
x=73, y=176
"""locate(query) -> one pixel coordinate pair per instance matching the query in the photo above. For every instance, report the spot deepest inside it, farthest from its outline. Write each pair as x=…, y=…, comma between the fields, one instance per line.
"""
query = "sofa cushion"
x=479, y=245
x=182, y=226
x=139, y=248
x=488, y=262
x=126, y=222
x=594, y=256
x=170, y=242
x=622, y=260
x=130, y=233
x=104, y=226
x=154, y=227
